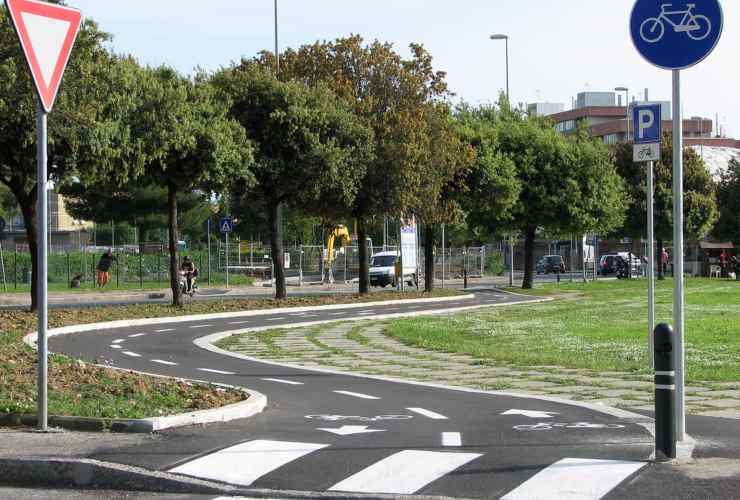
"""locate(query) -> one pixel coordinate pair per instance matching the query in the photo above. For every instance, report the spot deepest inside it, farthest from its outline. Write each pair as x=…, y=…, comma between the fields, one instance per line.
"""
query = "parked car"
x=383, y=270
x=608, y=264
x=551, y=264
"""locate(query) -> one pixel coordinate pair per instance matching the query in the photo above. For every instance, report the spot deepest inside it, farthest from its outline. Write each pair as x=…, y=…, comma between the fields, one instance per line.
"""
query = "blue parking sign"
x=676, y=34
x=647, y=123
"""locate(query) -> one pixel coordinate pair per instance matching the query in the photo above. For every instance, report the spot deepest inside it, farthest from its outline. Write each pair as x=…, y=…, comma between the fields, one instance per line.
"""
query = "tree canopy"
x=728, y=198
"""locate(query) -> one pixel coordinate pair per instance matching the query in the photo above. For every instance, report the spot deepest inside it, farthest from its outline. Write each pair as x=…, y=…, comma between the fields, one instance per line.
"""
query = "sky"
x=556, y=49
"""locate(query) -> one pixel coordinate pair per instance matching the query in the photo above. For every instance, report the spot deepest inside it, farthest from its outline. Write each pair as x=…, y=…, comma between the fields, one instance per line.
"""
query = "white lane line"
x=118, y=341
x=132, y=354
x=136, y=335
x=163, y=362
x=274, y=319
x=405, y=472
x=220, y=372
x=337, y=314
x=356, y=395
x=283, y=381
x=365, y=313
x=164, y=330
x=115, y=346
x=428, y=413
x=575, y=479
x=200, y=326
x=244, y=463
x=239, y=322
x=451, y=439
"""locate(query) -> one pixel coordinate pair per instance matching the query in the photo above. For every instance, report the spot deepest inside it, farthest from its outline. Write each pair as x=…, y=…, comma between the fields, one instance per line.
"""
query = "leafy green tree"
x=311, y=151
x=183, y=141
x=83, y=128
x=389, y=93
x=8, y=204
x=728, y=200
x=566, y=185
x=700, y=208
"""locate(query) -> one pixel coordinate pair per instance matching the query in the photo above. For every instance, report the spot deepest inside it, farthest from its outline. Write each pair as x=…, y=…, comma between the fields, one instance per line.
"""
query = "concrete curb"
x=94, y=474
x=30, y=339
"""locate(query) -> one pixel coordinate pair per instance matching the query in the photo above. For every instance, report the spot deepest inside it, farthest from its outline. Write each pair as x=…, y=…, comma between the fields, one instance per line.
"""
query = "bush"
x=495, y=264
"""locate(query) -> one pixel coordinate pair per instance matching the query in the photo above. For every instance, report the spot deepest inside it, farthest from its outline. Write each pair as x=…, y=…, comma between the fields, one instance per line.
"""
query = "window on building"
x=611, y=139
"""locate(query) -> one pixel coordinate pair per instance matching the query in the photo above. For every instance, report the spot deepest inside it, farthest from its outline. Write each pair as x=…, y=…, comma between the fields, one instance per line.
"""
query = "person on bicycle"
x=190, y=270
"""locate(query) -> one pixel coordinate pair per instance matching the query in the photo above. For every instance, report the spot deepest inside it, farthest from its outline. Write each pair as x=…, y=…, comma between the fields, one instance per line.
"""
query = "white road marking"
x=239, y=322
x=575, y=479
x=220, y=372
x=451, y=439
x=531, y=413
x=428, y=413
x=164, y=330
x=136, y=335
x=118, y=341
x=348, y=430
x=274, y=319
x=163, y=362
x=337, y=314
x=356, y=395
x=132, y=354
x=244, y=463
x=365, y=313
x=283, y=381
x=115, y=346
x=405, y=472
x=200, y=326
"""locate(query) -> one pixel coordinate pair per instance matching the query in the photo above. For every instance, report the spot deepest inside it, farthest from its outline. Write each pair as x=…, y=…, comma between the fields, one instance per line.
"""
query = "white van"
x=383, y=270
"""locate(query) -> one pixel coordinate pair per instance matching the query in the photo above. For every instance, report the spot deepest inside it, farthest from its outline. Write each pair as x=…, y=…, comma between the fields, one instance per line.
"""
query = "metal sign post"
x=226, y=226
x=47, y=33
x=648, y=133
x=676, y=37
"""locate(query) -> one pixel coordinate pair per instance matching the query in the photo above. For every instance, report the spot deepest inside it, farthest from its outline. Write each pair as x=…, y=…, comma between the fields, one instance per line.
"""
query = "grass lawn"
x=600, y=326
x=88, y=391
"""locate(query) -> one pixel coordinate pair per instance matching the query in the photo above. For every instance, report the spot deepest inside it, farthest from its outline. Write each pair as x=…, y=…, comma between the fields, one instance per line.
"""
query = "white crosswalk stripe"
x=244, y=463
x=575, y=479
x=405, y=472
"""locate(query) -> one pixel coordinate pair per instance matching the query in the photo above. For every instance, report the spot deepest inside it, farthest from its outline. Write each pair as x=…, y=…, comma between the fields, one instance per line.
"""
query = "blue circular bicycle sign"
x=676, y=35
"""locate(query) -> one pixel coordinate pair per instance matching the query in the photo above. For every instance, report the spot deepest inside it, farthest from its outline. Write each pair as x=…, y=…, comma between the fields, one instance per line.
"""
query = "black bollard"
x=665, y=392
x=465, y=278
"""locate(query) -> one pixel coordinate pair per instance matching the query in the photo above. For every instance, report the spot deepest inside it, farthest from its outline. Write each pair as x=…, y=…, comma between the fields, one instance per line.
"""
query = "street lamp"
x=277, y=54
x=508, y=98
x=627, y=103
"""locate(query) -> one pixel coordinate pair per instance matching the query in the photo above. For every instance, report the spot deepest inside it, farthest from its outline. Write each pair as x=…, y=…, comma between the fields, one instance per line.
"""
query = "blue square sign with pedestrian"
x=226, y=225
x=676, y=34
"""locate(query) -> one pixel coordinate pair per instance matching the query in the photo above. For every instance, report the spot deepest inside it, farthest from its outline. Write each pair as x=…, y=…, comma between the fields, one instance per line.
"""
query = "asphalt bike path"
x=326, y=431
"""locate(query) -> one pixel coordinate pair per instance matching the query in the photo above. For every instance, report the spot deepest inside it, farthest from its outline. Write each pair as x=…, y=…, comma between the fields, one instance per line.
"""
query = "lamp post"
x=627, y=104
x=508, y=98
x=277, y=54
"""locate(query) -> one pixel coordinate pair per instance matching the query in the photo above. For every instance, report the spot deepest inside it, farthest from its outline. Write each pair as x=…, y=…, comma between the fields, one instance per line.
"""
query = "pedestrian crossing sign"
x=226, y=225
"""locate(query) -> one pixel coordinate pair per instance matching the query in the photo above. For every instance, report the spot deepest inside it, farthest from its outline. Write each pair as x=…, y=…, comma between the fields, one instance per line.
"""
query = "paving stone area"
x=365, y=349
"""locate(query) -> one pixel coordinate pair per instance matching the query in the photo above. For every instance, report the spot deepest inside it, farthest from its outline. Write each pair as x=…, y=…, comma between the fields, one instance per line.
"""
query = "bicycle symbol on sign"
x=696, y=26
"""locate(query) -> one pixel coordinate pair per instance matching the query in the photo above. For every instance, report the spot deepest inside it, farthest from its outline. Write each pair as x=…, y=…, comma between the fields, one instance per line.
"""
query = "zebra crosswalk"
x=403, y=472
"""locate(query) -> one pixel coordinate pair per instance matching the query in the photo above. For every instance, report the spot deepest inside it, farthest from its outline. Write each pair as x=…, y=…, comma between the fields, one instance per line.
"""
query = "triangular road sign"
x=47, y=33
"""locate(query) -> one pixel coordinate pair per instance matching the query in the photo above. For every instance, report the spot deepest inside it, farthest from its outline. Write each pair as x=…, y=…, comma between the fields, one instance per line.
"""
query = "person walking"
x=103, y=268
x=664, y=258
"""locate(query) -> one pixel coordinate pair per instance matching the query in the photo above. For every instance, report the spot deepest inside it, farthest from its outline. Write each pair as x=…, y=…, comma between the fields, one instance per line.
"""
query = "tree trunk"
x=172, y=222
x=276, y=244
x=28, y=209
x=659, y=260
x=429, y=237
x=364, y=258
x=529, y=235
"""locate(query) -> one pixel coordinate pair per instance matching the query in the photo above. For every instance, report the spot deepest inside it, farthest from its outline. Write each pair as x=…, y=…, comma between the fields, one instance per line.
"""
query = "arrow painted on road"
x=347, y=430
x=531, y=413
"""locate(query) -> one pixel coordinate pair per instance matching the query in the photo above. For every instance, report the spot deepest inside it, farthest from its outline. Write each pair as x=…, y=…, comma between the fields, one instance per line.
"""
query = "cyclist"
x=190, y=271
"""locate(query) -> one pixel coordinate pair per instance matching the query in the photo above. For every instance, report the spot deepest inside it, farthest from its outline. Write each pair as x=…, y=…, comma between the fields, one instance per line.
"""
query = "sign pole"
x=651, y=262
x=227, y=260
x=42, y=267
x=678, y=290
x=208, y=231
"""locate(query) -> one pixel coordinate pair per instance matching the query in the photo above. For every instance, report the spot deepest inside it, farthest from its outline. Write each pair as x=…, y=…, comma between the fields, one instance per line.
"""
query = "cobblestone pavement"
x=365, y=349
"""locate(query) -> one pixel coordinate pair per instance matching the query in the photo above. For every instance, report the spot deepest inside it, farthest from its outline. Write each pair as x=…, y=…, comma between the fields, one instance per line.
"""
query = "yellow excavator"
x=342, y=233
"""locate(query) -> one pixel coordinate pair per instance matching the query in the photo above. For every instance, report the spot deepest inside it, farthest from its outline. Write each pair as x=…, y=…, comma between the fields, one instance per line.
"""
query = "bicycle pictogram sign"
x=696, y=26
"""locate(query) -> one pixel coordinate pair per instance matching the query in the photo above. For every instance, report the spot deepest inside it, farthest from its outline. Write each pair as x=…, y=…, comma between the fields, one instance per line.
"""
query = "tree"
x=567, y=185
x=700, y=209
x=389, y=94
x=84, y=128
x=183, y=141
x=8, y=205
x=728, y=200
x=311, y=150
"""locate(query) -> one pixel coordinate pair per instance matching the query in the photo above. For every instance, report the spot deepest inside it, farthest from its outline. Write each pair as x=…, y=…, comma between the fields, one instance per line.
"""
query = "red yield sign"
x=47, y=33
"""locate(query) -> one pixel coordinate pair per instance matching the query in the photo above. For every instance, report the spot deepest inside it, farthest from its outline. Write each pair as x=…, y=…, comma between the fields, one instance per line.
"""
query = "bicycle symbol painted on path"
x=547, y=426
x=358, y=418
x=696, y=26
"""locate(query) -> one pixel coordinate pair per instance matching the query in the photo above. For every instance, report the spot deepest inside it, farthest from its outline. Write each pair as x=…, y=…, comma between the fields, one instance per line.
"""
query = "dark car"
x=551, y=264
x=609, y=264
